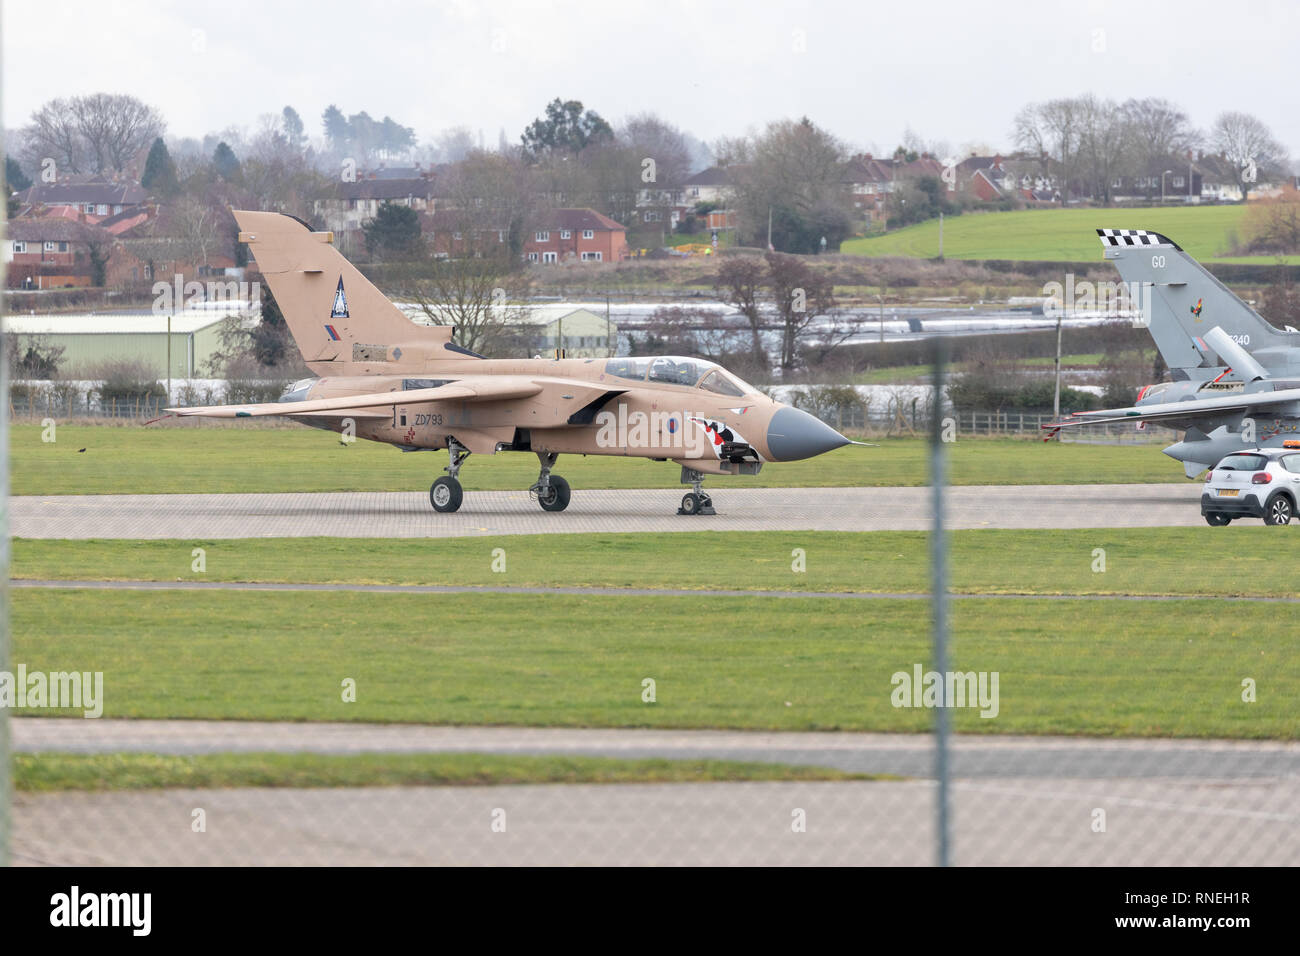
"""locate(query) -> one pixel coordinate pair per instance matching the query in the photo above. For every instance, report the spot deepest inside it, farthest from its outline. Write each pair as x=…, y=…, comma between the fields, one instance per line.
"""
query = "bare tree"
x=1249, y=145
x=1159, y=130
x=54, y=134
x=116, y=128
x=649, y=137
x=485, y=298
x=740, y=283
x=800, y=294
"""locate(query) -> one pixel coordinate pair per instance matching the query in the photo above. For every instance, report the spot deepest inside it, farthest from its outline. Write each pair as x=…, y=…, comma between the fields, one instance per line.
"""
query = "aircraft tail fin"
x=1181, y=301
x=342, y=323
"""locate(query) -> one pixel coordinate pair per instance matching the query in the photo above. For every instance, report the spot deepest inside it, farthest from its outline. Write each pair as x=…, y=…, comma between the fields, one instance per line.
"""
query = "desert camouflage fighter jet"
x=1235, y=378
x=391, y=380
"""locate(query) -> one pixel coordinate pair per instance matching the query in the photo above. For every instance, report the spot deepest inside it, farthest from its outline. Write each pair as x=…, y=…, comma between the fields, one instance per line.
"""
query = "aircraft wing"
x=482, y=388
x=1190, y=410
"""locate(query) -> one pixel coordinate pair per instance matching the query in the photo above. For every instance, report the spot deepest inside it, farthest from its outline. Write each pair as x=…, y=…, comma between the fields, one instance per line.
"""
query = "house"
x=713, y=185
x=1175, y=179
x=554, y=235
x=868, y=180
x=351, y=204
x=575, y=235
x=580, y=333
x=54, y=252
x=95, y=199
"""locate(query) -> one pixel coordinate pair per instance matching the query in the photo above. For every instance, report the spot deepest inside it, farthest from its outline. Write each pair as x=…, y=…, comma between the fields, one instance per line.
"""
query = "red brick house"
x=94, y=199
x=54, y=252
x=555, y=235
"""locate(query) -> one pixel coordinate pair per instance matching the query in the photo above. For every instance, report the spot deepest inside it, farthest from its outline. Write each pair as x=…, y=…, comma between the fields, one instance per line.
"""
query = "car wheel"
x=1278, y=510
x=1217, y=519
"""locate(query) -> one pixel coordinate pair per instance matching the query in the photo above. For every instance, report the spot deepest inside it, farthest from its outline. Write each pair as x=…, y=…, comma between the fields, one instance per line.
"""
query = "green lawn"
x=45, y=772
x=1248, y=560
x=1067, y=235
x=1065, y=666
x=168, y=460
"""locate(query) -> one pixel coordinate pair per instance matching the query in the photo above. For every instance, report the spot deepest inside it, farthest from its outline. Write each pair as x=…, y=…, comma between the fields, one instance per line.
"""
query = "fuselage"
x=662, y=407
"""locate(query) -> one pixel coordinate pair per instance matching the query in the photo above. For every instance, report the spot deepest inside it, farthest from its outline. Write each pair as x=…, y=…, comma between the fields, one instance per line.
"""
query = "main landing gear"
x=695, y=502
x=551, y=491
x=446, y=494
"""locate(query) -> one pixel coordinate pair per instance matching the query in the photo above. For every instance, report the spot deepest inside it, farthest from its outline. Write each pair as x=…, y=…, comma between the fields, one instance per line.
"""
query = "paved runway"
x=409, y=515
x=1015, y=800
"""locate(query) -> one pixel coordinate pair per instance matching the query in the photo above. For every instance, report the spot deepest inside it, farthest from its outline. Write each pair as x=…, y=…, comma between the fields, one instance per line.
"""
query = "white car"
x=1256, y=483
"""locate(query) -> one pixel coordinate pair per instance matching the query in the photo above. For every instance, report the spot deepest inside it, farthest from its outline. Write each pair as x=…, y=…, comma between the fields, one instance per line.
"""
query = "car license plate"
x=1227, y=492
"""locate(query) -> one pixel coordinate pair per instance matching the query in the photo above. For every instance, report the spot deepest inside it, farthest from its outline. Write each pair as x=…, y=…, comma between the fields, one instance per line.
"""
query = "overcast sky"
x=954, y=72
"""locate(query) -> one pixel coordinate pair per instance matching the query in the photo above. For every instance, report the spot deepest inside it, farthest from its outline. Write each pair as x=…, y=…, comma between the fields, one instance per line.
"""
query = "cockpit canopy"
x=679, y=370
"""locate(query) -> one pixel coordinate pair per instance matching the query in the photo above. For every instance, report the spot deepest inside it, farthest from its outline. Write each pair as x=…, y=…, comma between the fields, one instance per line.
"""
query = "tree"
x=294, y=130
x=566, y=128
x=54, y=134
x=1273, y=225
x=454, y=144
x=336, y=128
x=484, y=297
x=1249, y=145
x=15, y=179
x=159, y=171
x=796, y=177
x=1105, y=139
x=800, y=294
x=225, y=164
x=115, y=128
x=394, y=232
x=739, y=283
x=1051, y=130
x=649, y=137
x=1158, y=130
x=487, y=192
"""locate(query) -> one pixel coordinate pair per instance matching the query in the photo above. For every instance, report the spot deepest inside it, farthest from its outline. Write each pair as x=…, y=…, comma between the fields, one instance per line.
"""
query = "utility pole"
x=769, y=228
x=169, y=358
x=1056, y=392
x=609, y=333
x=939, y=602
x=941, y=237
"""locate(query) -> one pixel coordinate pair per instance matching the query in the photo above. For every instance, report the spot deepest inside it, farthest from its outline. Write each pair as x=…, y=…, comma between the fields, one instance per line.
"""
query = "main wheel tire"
x=556, y=497
x=1278, y=510
x=691, y=503
x=1217, y=519
x=446, y=495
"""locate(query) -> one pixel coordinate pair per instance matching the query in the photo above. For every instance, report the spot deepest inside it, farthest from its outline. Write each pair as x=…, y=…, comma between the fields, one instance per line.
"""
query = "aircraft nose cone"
x=793, y=435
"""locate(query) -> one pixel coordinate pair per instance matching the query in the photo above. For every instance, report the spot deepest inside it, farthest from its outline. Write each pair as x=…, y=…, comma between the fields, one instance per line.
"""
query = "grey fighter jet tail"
x=1181, y=301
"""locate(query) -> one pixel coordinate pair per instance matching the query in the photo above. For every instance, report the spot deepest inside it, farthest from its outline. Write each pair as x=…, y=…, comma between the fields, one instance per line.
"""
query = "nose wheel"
x=695, y=502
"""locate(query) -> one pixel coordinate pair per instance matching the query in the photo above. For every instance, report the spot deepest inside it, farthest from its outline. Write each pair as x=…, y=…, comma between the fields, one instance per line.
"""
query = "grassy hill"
x=1061, y=234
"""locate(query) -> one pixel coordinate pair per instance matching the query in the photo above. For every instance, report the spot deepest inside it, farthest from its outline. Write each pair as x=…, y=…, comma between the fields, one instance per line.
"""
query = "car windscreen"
x=1242, y=462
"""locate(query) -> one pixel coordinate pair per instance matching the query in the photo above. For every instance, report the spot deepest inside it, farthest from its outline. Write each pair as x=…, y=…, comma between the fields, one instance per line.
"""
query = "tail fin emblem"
x=340, y=310
x=1196, y=309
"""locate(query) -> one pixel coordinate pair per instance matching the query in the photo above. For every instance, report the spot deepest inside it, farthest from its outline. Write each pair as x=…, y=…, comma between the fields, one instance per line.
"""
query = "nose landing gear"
x=695, y=502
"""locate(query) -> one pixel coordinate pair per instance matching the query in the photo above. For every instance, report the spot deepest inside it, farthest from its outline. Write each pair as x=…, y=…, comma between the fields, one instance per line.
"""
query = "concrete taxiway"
x=1015, y=800
x=409, y=515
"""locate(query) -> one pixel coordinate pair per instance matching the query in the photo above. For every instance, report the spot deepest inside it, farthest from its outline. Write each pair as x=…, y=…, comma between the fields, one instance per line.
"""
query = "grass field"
x=165, y=460
x=45, y=772
x=1067, y=235
x=1250, y=560
x=1066, y=666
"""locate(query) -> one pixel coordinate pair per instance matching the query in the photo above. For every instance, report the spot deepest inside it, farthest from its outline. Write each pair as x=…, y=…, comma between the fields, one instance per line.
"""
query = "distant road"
x=409, y=515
